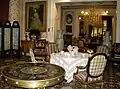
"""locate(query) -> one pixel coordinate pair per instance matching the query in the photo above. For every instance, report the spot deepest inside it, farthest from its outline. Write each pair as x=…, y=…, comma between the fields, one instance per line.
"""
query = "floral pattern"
x=14, y=10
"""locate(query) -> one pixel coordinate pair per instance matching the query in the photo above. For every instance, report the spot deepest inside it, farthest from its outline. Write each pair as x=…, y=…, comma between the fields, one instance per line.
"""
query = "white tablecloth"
x=69, y=62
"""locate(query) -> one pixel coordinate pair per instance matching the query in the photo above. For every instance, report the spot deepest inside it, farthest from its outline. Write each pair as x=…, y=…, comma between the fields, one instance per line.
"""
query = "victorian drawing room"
x=60, y=44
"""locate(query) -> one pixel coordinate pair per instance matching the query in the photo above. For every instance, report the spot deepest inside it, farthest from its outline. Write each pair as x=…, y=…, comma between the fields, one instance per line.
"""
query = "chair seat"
x=94, y=70
x=82, y=77
x=40, y=54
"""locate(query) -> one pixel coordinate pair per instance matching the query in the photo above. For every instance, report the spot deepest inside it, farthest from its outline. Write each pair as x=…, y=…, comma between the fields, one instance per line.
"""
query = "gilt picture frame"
x=35, y=16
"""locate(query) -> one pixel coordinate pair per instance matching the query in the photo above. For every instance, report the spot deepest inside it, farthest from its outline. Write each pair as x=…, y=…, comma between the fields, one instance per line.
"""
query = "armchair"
x=94, y=70
x=40, y=51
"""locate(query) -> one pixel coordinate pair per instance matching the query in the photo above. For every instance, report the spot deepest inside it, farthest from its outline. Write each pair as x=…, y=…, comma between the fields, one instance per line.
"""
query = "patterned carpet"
x=111, y=82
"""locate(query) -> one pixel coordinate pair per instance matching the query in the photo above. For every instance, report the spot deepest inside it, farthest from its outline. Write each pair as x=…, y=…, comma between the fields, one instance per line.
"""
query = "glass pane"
x=15, y=38
x=7, y=38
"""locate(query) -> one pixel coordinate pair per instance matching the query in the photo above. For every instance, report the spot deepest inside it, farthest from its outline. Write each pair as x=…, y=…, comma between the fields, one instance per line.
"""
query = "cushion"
x=82, y=76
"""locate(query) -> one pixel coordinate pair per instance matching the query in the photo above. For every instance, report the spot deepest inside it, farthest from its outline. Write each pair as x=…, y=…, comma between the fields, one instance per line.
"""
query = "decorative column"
x=50, y=20
x=14, y=10
x=118, y=22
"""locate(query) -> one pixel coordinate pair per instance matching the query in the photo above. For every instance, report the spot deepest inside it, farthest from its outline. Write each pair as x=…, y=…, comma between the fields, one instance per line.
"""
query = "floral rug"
x=110, y=83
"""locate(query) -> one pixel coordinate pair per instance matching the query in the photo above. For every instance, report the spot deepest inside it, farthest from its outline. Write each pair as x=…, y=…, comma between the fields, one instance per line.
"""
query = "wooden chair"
x=33, y=58
x=25, y=45
x=94, y=70
x=40, y=51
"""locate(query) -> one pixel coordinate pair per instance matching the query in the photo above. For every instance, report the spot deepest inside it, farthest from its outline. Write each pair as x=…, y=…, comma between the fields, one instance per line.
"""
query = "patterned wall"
x=14, y=10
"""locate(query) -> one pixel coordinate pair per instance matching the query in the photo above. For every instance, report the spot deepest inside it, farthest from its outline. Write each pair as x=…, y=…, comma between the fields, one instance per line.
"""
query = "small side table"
x=25, y=45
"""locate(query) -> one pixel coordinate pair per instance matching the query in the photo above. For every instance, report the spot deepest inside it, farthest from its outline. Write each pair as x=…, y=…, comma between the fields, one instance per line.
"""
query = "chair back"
x=51, y=48
x=41, y=43
x=96, y=65
x=103, y=49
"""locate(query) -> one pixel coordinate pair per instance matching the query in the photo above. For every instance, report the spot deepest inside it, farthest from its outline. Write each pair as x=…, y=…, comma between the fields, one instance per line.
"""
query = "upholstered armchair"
x=51, y=47
x=94, y=70
x=40, y=51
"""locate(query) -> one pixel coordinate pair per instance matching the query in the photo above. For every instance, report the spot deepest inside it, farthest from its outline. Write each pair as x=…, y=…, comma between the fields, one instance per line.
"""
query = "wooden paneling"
x=4, y=10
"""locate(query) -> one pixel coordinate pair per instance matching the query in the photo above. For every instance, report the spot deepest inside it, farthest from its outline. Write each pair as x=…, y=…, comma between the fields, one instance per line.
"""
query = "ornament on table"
x=32, y=56
x=70, y=48
x=75, y=49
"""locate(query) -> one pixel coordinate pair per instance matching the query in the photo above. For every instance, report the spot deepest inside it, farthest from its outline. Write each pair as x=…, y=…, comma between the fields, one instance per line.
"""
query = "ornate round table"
x=33, y=75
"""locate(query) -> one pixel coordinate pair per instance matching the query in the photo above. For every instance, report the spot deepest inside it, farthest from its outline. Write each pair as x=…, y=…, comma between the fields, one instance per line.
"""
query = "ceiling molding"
x=97, y=4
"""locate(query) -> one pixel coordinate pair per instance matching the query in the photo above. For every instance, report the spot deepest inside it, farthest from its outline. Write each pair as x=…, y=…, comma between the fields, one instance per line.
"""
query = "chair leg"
x=102, y=85
x=85, y=86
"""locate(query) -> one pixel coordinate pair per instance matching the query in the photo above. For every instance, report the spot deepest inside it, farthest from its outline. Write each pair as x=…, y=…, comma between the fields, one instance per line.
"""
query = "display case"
x=15, y=42
x=7, y=39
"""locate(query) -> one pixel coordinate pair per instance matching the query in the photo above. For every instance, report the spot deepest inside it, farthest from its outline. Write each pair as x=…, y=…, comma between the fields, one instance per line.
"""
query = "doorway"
x=75, y=8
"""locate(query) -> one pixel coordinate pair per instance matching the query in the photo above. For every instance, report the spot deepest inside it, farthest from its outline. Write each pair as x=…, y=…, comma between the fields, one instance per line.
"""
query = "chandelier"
x=92, y=17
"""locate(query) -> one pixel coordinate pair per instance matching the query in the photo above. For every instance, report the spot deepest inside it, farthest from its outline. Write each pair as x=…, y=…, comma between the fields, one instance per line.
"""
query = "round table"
x=33, y=75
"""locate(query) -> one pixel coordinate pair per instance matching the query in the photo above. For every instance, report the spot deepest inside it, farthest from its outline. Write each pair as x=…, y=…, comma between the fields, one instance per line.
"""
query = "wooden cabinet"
x=26, y=44
x=4, y=10
x=67, y=39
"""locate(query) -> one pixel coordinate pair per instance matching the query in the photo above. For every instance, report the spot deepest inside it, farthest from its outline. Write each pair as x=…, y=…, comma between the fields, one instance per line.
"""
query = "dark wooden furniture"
x=4, y=8
x=40, y=50
x=92, y=45
x=25, y=45
x=15, y=42
x=7, y=39
x=67, y=39
x=116, y=55
x=10, y=40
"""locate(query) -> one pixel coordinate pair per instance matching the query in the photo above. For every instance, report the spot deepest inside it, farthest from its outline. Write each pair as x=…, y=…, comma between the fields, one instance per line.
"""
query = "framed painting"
x=35, y=16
